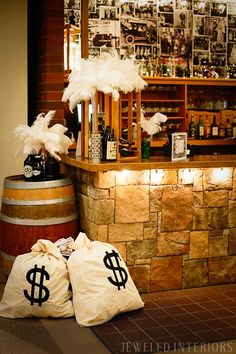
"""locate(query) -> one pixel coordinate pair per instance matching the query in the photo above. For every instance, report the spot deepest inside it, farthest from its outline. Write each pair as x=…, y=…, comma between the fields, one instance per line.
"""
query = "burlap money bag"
x=101, y=283
x=38, y=285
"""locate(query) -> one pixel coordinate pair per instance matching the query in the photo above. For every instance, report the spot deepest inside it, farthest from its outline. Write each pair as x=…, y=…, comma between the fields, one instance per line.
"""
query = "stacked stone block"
x=173, y=233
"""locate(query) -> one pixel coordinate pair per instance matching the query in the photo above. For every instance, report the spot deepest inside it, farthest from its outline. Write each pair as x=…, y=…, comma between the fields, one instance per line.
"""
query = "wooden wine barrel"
x=34, y=210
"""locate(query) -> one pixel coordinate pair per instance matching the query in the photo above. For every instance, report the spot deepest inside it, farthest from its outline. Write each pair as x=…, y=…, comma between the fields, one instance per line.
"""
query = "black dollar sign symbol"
x=43, y=273
x=122, y=272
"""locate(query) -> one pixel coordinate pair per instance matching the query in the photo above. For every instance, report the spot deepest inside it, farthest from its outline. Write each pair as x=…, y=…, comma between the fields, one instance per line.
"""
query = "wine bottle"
x=214, y=128
x=228, y=129
x=104, y=144
x=234, y=127
x=28, y=167
x=207, y=128
x=38, y=170
x=221, y=129
x=179, y=69
x=192, y=128
x=108, y=145
x=200, y=128
x=111, y=146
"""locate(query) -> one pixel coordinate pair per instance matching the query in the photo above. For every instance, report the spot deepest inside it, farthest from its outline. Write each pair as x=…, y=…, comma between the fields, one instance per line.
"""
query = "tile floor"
x=181, y=318
x=218, y=301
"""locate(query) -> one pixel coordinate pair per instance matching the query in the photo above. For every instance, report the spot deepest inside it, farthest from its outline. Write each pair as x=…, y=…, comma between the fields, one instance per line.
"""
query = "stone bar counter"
x=174, y=223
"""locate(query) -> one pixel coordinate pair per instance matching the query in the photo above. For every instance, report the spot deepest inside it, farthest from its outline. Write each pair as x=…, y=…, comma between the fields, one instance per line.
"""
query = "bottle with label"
x=207, y=128
x=192, y=128
x=234, y=127
x=228, y=129
x=28, y=167
x=108, y=145
x=200, y=128
x=214, y=128
x=111, y=146
x=221, y=129
x=38, y=170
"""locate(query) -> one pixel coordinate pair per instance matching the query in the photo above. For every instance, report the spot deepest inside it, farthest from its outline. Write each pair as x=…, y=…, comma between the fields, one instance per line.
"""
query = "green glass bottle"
x=200, y=128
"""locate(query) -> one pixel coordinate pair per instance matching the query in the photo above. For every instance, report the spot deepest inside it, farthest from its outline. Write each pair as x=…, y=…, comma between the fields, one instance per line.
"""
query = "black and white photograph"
x=183, y=5
x=180, y=19
x=109, y=13
x=143, y=52
x=232, y=21
x=218, y=9
x=231, y=54
x=104, y=33
x=199, y=25
x=218, y=59
x=199, y=57
x=166, y=6
x=147, y=9
x=165, y=19
x=127, y=52
x=176, y=43
x=127, y=9
x=201, y=8
x=201, y=43
x=138, y=31
x=231, y=34
x=217, y=47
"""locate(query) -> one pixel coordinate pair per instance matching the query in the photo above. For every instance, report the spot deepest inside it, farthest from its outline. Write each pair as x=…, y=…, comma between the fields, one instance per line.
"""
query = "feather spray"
x=153, y=125
x=39, y=135
x=106, y=73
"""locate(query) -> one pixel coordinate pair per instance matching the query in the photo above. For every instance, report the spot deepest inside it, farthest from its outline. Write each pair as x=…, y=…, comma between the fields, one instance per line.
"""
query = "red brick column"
x=48, y=67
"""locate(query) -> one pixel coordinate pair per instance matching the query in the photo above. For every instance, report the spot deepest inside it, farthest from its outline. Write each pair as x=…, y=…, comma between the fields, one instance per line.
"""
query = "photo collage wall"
x=180, y=31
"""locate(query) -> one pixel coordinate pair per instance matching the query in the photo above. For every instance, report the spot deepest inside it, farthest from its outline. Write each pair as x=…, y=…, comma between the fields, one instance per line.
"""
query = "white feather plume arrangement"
x=153, y=125
x=106, y=73
x=39, y=135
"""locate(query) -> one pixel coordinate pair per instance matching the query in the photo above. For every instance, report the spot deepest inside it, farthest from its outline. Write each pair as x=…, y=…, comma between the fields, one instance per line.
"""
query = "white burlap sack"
x=101, y=283
x=38, y=285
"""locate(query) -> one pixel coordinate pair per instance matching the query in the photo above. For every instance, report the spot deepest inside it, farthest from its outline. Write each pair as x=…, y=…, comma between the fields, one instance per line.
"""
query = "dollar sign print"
x=108, y=261
x=31, y=278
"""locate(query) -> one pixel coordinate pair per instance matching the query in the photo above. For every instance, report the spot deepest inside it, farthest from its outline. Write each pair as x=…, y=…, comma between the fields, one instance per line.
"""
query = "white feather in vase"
x=39, y=135
x=153, y=125
x=106, y=73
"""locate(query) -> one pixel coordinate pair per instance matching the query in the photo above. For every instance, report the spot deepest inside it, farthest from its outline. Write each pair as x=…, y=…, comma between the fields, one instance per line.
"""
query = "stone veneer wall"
x=171, y=233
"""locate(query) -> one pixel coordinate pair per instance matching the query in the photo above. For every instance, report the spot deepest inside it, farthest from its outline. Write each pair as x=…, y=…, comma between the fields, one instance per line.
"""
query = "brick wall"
x=46, y=61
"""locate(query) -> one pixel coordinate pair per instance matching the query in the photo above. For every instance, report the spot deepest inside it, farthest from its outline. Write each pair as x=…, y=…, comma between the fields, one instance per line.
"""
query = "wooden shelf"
x=203, y=142
x=208, y=142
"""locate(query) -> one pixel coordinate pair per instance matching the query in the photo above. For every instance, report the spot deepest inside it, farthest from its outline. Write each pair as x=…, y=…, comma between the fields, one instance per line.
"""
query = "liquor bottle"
x=104, y=144
x=164, y=68
x=187, y=72
x=234, y=127
x=38, y=170
x=192, y=128
x=228, y=129
x=179, y=69
x=108, y=145
x=207, y=128
x=28, y=167
x=200, y=128
x=214, y=128
x=111, y=146
x=221, y=129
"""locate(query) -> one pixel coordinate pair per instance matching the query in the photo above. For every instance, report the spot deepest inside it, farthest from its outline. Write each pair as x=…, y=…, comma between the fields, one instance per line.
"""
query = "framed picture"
x=178, y=146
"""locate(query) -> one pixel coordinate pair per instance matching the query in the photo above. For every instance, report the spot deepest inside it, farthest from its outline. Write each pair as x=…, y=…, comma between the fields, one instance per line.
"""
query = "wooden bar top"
x=157, y=162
